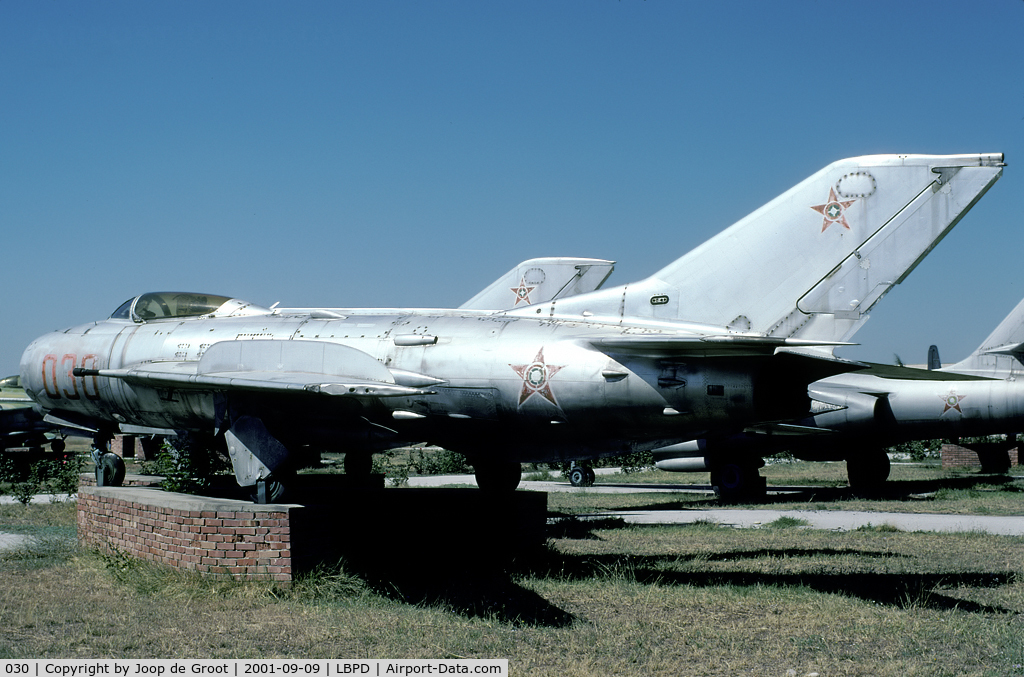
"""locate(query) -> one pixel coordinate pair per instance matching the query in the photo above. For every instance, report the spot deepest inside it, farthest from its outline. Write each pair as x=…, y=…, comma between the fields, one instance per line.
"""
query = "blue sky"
x=408, y=153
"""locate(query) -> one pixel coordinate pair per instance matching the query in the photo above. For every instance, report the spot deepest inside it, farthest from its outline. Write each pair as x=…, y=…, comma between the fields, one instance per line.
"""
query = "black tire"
x=498, y=478
x=578, y=477
x=868, y=470
x=736, y=480
x=110, y=471
x=274, y=492
x=358, y=463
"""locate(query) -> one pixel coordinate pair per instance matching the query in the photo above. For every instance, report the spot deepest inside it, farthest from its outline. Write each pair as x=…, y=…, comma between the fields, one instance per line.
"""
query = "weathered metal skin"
x=724, y=339
x=858, y=413
x=568, y=406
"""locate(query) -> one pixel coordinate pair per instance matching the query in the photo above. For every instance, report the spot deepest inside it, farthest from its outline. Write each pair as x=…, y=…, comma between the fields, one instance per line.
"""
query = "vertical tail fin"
x=543, y=279
x=1002, y=353
x=813, y=261
x=934, y=362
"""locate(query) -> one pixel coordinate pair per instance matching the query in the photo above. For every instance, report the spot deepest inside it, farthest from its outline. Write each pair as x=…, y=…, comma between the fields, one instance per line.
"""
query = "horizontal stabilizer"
x=733, y=345
x=890, y=371
x=1013, y=349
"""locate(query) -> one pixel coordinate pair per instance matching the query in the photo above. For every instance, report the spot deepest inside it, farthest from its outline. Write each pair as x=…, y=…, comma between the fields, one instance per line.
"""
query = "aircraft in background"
x=726, y=338
x=541, y=280
x=23, y=431
x=21, y=419
x=856, y=416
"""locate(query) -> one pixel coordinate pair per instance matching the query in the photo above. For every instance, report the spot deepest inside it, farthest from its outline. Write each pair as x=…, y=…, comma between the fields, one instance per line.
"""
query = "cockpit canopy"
x=164, y=305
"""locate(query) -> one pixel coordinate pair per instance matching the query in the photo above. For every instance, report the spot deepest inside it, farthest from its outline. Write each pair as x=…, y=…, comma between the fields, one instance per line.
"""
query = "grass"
x=921, y=488
x=601, y=598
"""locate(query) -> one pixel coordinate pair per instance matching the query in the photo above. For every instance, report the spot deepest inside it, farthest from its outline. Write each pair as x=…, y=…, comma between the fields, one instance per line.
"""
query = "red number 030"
x=52, y=365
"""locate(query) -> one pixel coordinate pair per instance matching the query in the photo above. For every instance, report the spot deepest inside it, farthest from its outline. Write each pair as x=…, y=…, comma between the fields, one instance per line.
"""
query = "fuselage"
x=535, y=388
x=888, y=411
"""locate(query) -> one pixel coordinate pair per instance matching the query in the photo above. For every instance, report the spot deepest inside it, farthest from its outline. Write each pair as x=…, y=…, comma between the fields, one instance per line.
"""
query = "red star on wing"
x=834, y=210
x=952, y=401
x=536, y=376
x=522, y=292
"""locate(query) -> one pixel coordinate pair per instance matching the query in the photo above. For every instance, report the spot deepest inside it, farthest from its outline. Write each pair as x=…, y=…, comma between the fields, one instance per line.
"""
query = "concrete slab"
x=13, y=541
x=834, y=520
x=39, y=498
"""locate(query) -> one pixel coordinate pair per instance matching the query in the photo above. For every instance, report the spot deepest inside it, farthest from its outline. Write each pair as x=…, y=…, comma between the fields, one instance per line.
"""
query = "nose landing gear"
x=110, y=467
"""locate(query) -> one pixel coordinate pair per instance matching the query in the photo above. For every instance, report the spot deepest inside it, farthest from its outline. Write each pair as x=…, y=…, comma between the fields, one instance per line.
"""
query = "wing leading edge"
x=301, y=366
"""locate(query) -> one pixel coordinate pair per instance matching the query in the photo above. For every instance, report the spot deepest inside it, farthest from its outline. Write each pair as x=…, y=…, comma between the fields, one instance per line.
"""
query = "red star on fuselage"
x=522, y=292
x=834, y=210
x=536, y=376
x=952, y=401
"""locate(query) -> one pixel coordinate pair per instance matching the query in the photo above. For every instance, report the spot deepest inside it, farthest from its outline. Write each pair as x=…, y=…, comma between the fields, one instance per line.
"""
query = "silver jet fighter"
x=855, y=416
x=714, y=343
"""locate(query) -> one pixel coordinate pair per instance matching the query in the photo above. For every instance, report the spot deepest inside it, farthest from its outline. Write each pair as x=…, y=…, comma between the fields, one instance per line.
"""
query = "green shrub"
x=918, y=450
x=439, y=462
x=186, y=464
x=57, y=475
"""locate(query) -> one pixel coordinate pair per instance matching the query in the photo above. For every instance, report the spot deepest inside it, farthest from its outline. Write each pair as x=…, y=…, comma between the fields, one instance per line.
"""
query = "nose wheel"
x=109, y=467
x=110, y=470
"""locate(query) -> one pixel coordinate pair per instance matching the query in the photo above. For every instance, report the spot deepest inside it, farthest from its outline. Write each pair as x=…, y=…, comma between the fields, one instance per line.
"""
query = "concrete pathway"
x=833, y=520
x=13, y=541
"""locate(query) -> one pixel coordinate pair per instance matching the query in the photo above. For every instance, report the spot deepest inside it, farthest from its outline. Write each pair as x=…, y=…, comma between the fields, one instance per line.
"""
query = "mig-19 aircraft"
x=855, y=416
x=725, y=338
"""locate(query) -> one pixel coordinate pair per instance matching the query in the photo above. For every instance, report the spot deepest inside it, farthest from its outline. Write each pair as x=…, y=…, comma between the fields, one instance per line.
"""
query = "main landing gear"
x=867, y=469
x=498, y=477
x=581, y=476
x=267, y=491
x=737, y=479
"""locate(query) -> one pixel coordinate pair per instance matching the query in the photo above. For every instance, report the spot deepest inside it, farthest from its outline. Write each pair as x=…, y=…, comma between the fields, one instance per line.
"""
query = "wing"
x=276, y=367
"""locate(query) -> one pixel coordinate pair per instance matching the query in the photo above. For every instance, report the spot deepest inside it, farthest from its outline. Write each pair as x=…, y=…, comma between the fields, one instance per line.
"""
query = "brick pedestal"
x=988, y=457
x=373, y=529
x=210, y=535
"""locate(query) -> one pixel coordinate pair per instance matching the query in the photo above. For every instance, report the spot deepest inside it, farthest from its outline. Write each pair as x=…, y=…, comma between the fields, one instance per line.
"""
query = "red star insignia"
x=522, y=292
x=834, y=211
x=535, y=378
x=952, y=401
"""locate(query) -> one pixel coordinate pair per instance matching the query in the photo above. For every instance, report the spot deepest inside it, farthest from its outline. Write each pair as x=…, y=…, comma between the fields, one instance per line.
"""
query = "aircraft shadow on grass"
x=900, y=590
x=494, y=593
x=485, y=585
x=893, y=490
